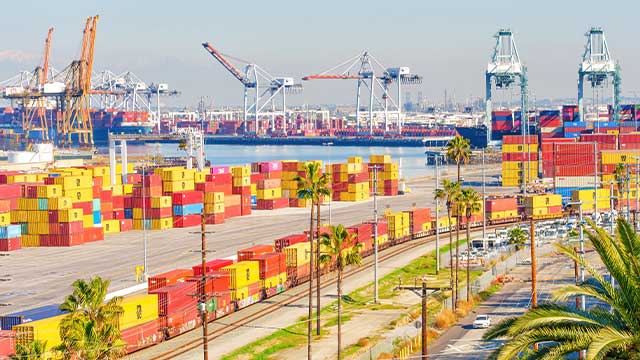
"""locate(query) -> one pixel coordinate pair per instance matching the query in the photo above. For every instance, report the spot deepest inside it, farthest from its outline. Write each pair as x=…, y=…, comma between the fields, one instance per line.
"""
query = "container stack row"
x=519, y=159
x=350, y=181
x=387, y=173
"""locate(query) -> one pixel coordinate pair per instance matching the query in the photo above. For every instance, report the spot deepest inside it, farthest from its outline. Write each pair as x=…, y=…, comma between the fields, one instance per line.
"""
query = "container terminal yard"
x=67, y=213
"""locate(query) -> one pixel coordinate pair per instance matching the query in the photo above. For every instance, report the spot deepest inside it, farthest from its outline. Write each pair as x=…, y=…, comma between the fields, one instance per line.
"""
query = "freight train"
x=259, y=273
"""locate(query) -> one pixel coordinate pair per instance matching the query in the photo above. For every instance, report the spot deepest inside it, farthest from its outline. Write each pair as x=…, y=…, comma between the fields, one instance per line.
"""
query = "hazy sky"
x=448, y=42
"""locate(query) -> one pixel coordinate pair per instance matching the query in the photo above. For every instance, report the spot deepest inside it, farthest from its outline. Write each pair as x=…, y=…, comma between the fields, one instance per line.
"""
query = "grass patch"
x=334, y=321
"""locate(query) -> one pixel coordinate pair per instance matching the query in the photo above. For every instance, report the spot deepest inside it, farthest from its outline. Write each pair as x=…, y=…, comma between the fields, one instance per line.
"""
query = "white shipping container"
x=574, y=181
x=13, y=90
x=53, y=88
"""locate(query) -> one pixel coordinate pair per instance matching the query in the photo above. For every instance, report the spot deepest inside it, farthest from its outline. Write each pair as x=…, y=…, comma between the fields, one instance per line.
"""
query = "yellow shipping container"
x=116, y=190
x=79, y=195
x=49, y=191
x=511, y=181
x=382, y=238
x=274, y=281
x=22, y=178
x=610, y=157
x=74, y=182
x=199, y=177
x=87, y=221
x=161, y=224
x=241, y=181
x=29, y=240
x=537, y=211
x=177, y=174
x=589, y=195
x=380, y=159
x=177, y=186
x=27, y=204
x=354, y=160
x=518, y=148
x=127, y=189
x=100, y=171
x=138, y=309
x=254, y=189
x=391, y=167
x=427, y=226
x=358, y=187
x=45, y=330
x=243, y=273
x=214, y=198
x=214, y=208
x=519, y=165
x=543, y=201
x=269, y=194
x=161, y=202
x=5, y=219
x=60, y=203
x=69, y=215
x=38, y=228
x=243, y=293
x=241, y=171
x=41, y=216
x=297, y=254
x=111, y=226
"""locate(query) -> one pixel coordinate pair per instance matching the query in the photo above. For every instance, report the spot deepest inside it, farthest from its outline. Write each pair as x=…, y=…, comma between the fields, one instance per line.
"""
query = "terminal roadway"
x=34, y=277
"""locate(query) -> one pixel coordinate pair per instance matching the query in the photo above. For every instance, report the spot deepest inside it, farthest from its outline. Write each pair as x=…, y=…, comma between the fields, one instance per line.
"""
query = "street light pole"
x=144, y=223
x=484, y=213
x=437, y=160
x=375, y=233
x=611, y=219
x=424, y=320
x=635, y=218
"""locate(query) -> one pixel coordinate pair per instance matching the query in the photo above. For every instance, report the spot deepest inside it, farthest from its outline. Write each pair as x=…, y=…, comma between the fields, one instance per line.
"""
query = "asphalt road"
x=34, y=277
x=463, y=342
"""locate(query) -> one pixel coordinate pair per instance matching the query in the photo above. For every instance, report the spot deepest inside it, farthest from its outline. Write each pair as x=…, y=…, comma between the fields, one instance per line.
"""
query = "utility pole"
x=145, y=273
x=375, y=234
x=424, y=320
x=628, y=194
x=635, y=217
x=611, y=219
x=534, y=273
x=484, y=213
x=437, y=160
x=203, y=294
x=583, y=300
x=595, y=182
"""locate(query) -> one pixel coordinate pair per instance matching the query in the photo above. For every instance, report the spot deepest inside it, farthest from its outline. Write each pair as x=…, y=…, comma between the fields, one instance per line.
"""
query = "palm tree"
x=90, y=331
x=459, y=150
x=313, y=186
x=339, y=245
x=35, y=350
x=517, y=237
x=439, y=195
x=610, y=333
x=471, y=201
x=620, y=174
x=451, y=190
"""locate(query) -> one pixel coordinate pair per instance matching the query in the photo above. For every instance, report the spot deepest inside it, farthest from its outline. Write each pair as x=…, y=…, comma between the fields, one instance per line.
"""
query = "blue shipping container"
x=128, y=213
x=550, y=113
x=190, y=209
x=575, y=124
x=96, y=204
x=254, y=200
x=43, y=204
x=566, y=192
x=11, y=231
x=8, y=321
x=97, y=219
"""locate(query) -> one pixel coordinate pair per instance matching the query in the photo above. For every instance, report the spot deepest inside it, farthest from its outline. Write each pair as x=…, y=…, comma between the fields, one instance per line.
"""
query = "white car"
x=482, y=322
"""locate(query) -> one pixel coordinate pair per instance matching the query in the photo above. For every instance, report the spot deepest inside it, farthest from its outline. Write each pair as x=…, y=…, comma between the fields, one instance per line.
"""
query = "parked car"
x=482, y=322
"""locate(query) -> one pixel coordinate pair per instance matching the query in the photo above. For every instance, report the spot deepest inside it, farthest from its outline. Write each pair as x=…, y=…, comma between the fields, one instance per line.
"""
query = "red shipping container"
x=219, y=179
x=250, y=253
x=217, y=282
x=518, y=139
x=168, y=278
x=134, y=178
x=255, y=178
x=271, y=264
x=554, y=209
x=106, y=196
x=118, y=202
x=117, y=214
x=106, y=207
x=356, y=178
x=187, y=220
x=9, y=191
x=212, y=265
x=142, y=336
x=188, y=197
x=277, y=174
x=158, y=213
x=87, y=207
x=574, y=170
x=206, y=187
x=232, y=211
x=152, y=180
x=72, y=227
x=7, y=343
x=62, y=240
x=213, y=219
x=289, y=240
x=501, y=204
x=93, y=234
x=176, y=298
x=241, y=190
x=139, y=191
x=297, y=273
x=126, y=225
x=268, y=184
x=520, y=156
x=5, y=206
x=11, y=244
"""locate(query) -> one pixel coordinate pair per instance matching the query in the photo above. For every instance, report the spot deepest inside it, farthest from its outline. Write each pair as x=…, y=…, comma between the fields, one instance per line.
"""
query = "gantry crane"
x=34, y=115
x=76, y=119
x=364, y=68
x=265, y=88
x=506, y=68
x=597, y=65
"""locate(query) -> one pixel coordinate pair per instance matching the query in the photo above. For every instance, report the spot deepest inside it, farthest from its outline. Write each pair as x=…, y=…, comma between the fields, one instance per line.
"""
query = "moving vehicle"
x=482, y=322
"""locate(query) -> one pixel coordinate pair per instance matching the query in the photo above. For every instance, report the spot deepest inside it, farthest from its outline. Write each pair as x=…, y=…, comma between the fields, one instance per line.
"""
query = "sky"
x=447, y=42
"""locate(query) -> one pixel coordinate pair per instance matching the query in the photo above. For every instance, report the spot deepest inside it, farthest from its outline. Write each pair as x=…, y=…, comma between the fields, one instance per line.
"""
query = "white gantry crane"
x=505, y=69
x=372, y=75
x=597, y=66
x=265, y=87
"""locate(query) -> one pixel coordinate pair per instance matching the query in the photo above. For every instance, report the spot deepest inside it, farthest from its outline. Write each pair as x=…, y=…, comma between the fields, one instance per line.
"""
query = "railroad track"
x=300, y=293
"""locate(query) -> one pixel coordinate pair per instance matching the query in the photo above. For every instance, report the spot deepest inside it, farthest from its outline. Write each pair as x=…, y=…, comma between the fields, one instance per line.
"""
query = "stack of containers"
x=499, y=209
x=241, y=187
x=177, y=307
x=290, y=186
x=157, y=213
x=569, y=113
x=250, y=253
x=273, y=272
x=297, y=259
x=610, y=159
x=476, y=216
x=548, y=205
x=573, y=129
x=398, y=225
x=362, y=233
x=548, y=149
x=289, y=240
x=503, y=121
x=418, y=218
x=244, y=282
x=176, y=179
x=187, y=208
x=10, y=235
x=605, y=141
x=214, y=207
x=550, y=124
x=629, y=141
x=387, y=175
x=606, y=127
x=588, y=198
x=627, y=112
x=269, y=187
x=350, y=181
x=516, y=157
x=11, y=193
x=574, y=168
x=383, y=231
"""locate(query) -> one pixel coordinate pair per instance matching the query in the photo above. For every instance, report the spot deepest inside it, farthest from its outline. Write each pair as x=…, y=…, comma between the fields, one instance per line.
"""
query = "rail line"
x=300, y=294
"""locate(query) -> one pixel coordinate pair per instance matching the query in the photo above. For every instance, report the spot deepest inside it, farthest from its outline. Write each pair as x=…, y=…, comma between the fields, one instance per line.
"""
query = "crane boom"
x=332, y=77
x=227, y=65
x=45, y=65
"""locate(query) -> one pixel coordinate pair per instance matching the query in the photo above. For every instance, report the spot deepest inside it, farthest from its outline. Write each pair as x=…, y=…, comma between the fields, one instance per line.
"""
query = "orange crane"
x=34, y=116
x=76, y=117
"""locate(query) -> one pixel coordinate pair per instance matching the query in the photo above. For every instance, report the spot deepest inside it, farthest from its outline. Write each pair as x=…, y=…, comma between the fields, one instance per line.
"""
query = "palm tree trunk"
x=468, y=256
x=457, y=257
x=451, y=274
x=339, y=313
x=318, y=268
x=311, y=263
x=458, y=165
